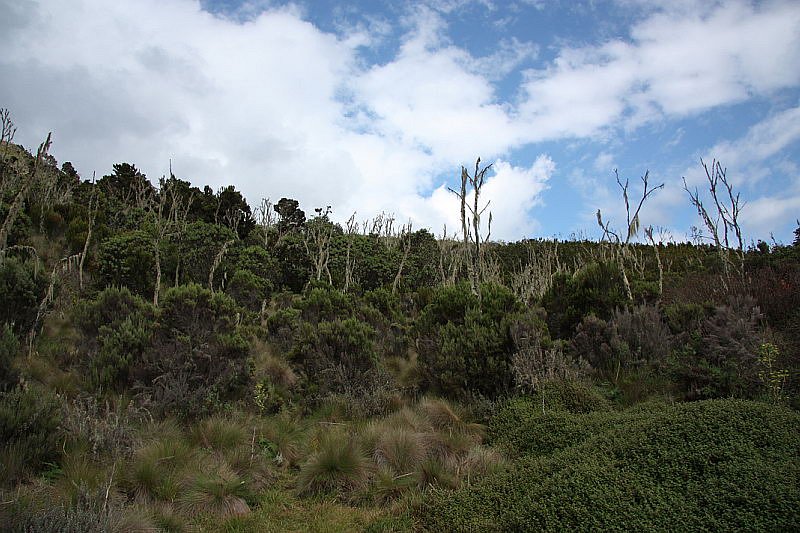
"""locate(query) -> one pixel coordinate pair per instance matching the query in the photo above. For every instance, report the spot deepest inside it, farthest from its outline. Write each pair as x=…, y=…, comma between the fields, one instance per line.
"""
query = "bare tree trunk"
x=16, y=205
x=405, y=238
x=157, y=288
x=216, y=263
x=92, y=215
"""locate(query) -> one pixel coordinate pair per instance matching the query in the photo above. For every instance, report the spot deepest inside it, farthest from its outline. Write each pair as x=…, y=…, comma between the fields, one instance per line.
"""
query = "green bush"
x=9, y=346
x=464, y=342
x=28, y=432
x=562, y=414
x=198, y=357
x=714, y=465
x=22, y=287
x=597, y=288
x=116, y=327
x=720, y=359
x=128, y=260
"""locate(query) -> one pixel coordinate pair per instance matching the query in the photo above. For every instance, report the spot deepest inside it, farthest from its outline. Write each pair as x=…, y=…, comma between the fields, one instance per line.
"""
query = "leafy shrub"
x=29, y=421
x=103, y=427
x=248, y=290
x=9, y=346
x=197, y=359
x=721, y=358
x=128, y=260
x=537, y=359
x=91, y=512
x=713, y=465
x=597, y=288
x=648, y=338
x=198, y=247
x=117, y=328
x=464, y=342
x=22, y=287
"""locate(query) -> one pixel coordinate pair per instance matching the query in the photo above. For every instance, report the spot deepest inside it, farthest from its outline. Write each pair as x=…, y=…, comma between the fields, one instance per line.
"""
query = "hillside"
x=172, y=358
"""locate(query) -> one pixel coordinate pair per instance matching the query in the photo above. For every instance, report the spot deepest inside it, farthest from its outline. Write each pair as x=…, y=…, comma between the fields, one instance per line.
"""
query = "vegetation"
x=171, y=359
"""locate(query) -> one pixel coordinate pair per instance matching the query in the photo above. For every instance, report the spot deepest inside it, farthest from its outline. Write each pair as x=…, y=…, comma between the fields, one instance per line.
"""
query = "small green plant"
x=773, y=378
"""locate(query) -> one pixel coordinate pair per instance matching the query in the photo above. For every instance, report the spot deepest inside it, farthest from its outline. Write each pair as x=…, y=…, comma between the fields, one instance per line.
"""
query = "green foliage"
x=117, y=327
x=464, y=343
x=294, y=264
x=596, y=288
x=712, y=465
x=198, y=247
x=198, y=358
x=22, y=287
x=28, y=431
x=248, y=289
x=337, y=466
x=544, y=423
x=127, y=260
x=720, y=359
x=9, y=346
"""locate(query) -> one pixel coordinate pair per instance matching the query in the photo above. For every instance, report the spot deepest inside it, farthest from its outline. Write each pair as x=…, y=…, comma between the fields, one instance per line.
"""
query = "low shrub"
x=9, y=346
x=29, y=438
x=464, y=342
x=712, y=465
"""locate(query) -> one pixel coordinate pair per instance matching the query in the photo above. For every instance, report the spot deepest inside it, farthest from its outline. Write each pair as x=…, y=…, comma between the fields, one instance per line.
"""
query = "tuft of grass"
x=439, y=413
x=480, y=462
x=284, y=438
x=337, y=466
x=437, y=472
x=218, y=433
x=268, y=366
x=388, y=485
x=219, y=491
x=156, y=471
x=167, y=518
x=400, y=449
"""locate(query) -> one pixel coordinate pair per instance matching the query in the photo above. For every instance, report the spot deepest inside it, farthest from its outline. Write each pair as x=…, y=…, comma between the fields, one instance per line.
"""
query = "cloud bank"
x=278, y=107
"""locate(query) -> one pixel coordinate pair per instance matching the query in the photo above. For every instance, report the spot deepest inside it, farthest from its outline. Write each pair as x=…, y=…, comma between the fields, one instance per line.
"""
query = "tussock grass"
x=156, y=471
x=217, y=490
x=337, y=466
x=399, y=449
x=218, y=433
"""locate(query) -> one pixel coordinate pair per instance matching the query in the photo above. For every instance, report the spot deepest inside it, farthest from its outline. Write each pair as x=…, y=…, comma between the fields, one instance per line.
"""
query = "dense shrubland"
x=170, y=358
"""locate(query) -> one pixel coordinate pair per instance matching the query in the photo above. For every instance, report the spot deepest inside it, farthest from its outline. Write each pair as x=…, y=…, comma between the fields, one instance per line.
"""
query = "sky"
x=373, y=106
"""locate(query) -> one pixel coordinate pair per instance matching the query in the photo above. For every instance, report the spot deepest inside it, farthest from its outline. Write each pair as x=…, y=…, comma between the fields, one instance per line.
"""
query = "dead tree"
x=621, y=246
x=25, y=186
x=170, y=211
x=217, y=261
x=404, y=241
x=530, y=281
x=7, y=132
x=723, y=222
x=351, y=231
x=317, y=242
x=266, y=218
x=648, y=231
x=470, y=225
x=93, y=201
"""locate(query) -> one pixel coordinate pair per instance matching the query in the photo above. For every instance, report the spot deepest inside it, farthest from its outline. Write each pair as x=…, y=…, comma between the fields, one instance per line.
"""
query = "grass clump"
x=218, y=490
x=337, y=466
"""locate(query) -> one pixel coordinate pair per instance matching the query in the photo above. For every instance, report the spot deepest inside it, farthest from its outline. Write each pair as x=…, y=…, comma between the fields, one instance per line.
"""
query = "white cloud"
x=262, y=98
x=678, y=62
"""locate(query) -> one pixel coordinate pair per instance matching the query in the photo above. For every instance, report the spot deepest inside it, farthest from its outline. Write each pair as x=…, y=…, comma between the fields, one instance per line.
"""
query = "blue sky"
x=373, y=106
